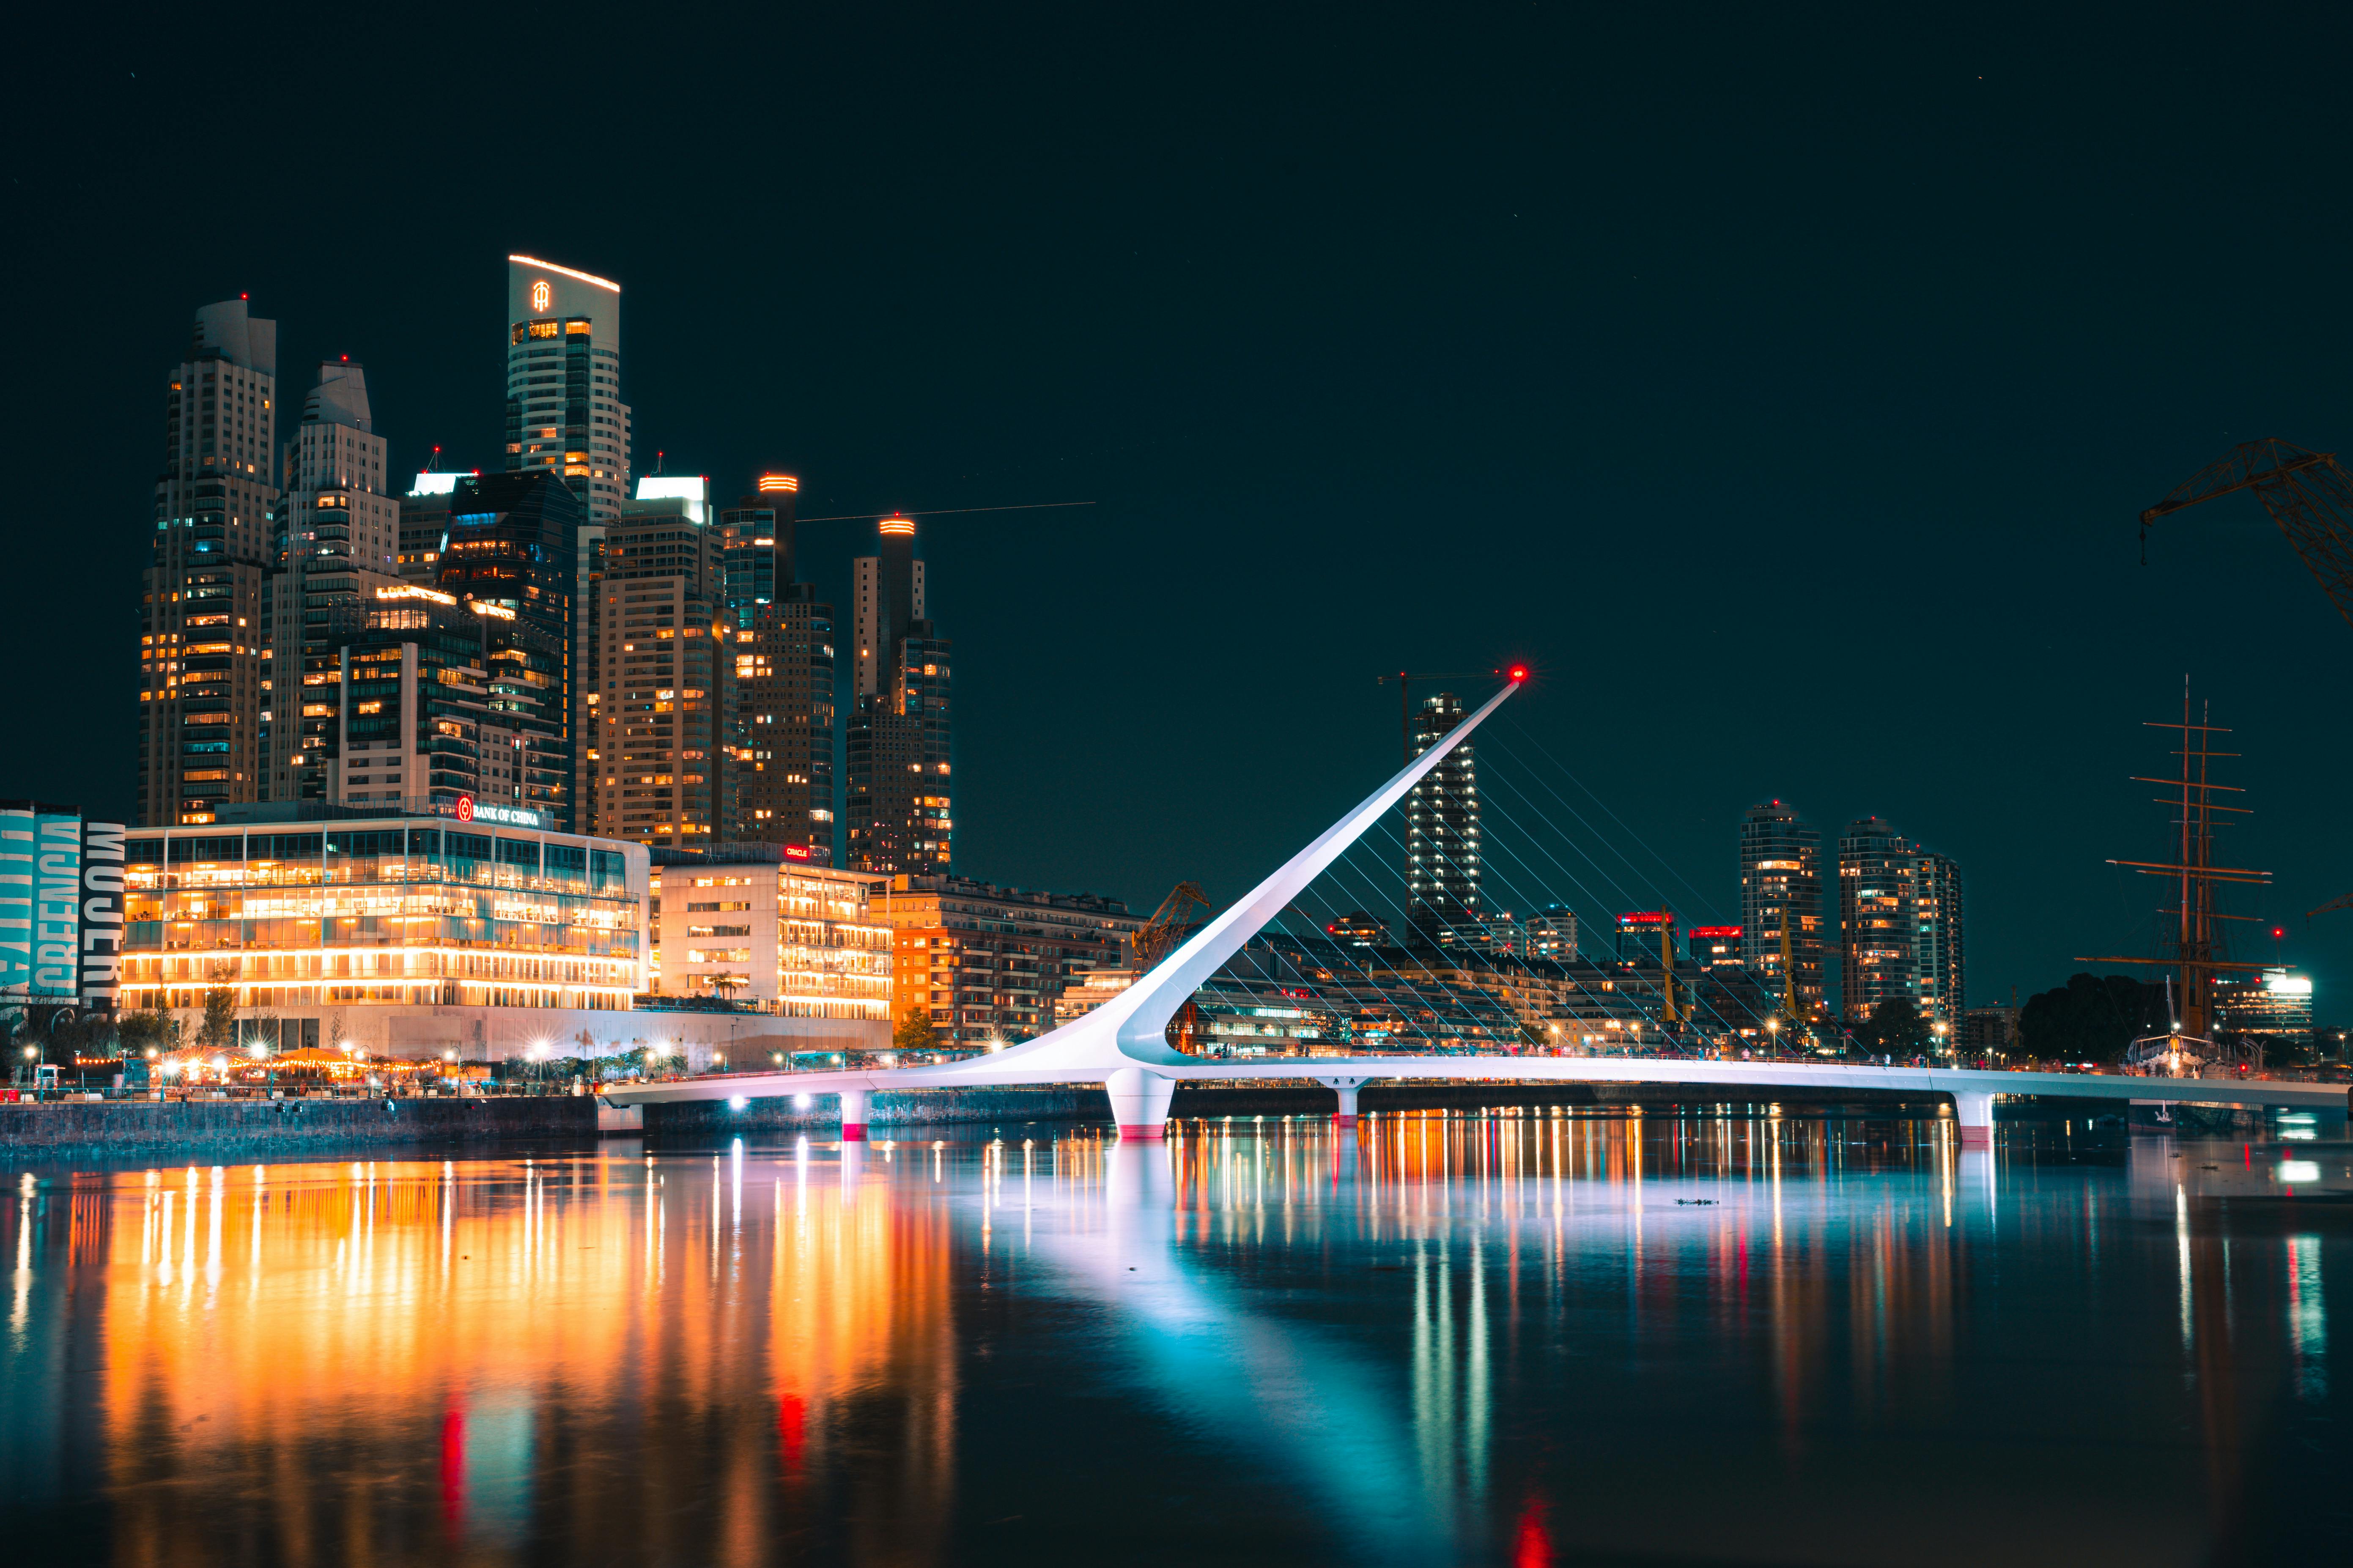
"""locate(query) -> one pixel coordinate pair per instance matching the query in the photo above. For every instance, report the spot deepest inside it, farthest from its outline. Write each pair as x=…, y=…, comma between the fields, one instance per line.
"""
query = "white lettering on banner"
x=101, y=878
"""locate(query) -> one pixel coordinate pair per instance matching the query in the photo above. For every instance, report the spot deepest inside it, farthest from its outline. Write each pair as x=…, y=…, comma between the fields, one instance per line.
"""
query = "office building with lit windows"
x=901, y=807
x=1442, y=835
x=337, y=535
x=1780, y=880
x=664, y=737
x=565, y=412
x=752, y=923
x=987, y=963
x=413, y=934
x=204, y=678
x=510, y=542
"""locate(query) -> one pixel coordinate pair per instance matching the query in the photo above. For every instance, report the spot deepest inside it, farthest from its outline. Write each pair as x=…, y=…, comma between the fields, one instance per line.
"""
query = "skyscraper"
x=203, y=679
x=1441, y=833
x=1780, y=880
x=512, y=546
x=1899, y=924
x=565, y=412
x=565, y=417
x=664, y=733
x=784, y=677
x=337, y=530
x=901, y=812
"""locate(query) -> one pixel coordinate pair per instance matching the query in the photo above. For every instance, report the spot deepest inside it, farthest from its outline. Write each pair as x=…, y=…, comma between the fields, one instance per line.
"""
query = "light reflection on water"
x=1512, y=1337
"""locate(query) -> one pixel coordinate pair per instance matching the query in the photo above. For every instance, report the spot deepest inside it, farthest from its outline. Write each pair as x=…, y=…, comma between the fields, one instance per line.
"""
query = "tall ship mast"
x=2198, y=949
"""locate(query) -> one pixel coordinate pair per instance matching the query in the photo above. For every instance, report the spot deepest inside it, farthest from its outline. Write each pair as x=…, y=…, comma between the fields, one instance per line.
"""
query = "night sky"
x=1783, y=387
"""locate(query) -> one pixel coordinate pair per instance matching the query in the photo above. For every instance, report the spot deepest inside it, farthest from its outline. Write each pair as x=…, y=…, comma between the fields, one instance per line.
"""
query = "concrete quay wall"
x=253, y=1129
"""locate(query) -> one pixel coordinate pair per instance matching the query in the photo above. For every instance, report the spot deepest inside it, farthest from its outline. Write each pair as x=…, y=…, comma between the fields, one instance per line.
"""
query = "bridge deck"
x=1355, y=1072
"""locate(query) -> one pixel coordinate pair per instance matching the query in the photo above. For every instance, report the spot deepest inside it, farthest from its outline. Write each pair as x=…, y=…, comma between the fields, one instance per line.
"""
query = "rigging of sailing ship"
x=2198, y=950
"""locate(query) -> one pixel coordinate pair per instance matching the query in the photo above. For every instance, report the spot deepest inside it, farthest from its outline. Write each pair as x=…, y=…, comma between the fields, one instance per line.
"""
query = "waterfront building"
x=664, y=743
x=987, y=963
x=751, y=923
x=1552, y=933
x=411, y=933
x=1441, y=833
x=424, y=527
x=757, y=540
x=511, y=544
x=1716, y=947
x=203, y=680
x=565, y=413
x=337, y=535
x=1937, y=936
x=900, y=806
x=1900, y=925
x=424, y=688
x=1357, y=929
x=1643, y=934
x=1987, y=1032
x=784, y=677
x=1780, y=880
x=1501, y=934
x=2274, y=1007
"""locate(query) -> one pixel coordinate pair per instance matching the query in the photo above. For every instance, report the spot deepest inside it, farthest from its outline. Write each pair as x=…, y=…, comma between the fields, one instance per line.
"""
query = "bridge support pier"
x=1139, y=1103
x=1343, y=1119
x=853, y=1116
x=1973, y=1108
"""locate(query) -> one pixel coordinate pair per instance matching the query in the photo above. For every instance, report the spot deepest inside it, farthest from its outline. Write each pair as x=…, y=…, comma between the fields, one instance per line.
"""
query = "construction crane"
x=1158, y=937
x=2308, y=494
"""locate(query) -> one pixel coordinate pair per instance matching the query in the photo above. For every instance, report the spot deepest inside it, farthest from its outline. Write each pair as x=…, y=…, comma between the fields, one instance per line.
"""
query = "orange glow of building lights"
x=897, y=525
x=784, y=482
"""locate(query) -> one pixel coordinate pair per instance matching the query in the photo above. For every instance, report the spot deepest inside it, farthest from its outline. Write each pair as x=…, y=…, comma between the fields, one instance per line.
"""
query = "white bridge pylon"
x=1122, y=1043
x=1124, y=1046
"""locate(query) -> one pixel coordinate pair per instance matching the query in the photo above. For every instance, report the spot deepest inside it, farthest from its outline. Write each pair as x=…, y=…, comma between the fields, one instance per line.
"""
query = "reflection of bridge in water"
x=1123, y=1045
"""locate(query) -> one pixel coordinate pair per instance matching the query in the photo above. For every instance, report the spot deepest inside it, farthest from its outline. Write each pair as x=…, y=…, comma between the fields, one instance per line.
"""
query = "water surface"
x=1520, y=1337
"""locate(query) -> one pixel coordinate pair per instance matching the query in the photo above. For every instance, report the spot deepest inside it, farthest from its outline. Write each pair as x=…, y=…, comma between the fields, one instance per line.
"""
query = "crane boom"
x=2308, y=494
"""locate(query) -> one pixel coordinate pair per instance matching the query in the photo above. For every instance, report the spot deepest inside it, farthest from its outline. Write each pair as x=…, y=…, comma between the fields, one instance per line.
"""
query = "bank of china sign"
x=467, y=809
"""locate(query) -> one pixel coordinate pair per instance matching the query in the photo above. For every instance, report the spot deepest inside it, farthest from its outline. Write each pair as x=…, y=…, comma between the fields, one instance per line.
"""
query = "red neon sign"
x=465, y=808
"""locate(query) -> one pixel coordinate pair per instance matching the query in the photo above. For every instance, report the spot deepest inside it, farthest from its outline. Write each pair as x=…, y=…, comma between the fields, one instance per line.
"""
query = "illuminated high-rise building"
x=204, y=681
x=1780, y=880
x=664, y=746
x=338, y=541
x=784, y=677
x=565, y=417
x=1900, y=927
x=510, y=548
x=565, y=412
x=1441, y=833
x=899, y=810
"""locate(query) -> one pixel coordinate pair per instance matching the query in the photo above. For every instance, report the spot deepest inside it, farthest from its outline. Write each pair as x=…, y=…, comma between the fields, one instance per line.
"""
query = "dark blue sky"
x=1783, y=387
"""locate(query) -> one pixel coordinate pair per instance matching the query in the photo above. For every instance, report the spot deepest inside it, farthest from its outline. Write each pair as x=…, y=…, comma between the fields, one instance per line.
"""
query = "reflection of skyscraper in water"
x=1441, y=833
x=900, y=814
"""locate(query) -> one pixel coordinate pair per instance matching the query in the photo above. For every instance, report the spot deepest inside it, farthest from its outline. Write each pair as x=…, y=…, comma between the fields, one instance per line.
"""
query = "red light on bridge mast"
x=1517, y=672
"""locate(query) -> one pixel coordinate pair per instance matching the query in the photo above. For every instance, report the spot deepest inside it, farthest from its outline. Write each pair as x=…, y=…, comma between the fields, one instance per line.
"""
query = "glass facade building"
x=387, y=910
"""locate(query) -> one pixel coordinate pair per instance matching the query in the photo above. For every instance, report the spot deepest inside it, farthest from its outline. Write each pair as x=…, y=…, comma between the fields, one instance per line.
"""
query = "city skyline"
x=1269, y=455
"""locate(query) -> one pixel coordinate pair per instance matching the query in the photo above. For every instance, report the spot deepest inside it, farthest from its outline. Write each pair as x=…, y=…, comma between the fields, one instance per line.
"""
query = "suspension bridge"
x=1123, y=1045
